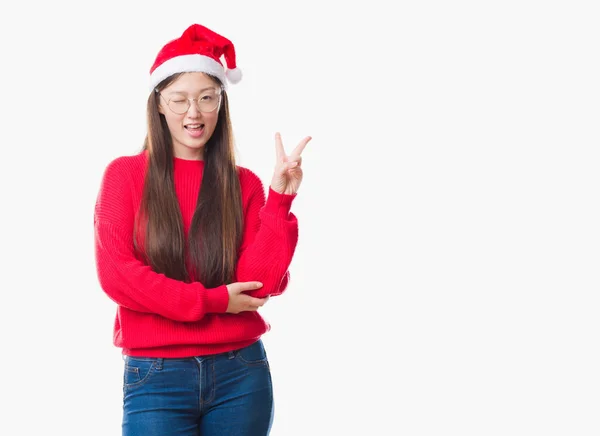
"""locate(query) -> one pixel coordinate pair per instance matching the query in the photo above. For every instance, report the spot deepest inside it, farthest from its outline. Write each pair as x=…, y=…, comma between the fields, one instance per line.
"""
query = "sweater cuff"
x=216, y=300
x=278, y=204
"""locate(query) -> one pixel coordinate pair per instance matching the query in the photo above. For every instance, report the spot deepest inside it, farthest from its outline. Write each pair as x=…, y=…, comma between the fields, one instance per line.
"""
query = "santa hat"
x=198, y=49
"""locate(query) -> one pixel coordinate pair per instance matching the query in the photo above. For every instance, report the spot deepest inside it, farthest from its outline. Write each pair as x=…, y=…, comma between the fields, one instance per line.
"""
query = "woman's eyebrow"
x=202, y=90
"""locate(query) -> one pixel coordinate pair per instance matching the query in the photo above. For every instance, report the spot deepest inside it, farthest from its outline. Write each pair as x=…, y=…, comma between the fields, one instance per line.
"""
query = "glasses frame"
x=190, y=100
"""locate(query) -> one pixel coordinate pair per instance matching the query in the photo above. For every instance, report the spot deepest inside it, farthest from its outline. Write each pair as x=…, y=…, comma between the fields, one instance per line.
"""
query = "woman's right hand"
x=240, y=302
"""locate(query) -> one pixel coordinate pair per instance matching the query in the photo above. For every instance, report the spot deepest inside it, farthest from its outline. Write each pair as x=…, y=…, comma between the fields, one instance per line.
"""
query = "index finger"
x=253, y=301
x=279, y=148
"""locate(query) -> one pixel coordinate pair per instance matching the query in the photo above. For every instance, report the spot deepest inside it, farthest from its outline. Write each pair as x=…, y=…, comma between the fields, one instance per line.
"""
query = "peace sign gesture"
x=288, y=172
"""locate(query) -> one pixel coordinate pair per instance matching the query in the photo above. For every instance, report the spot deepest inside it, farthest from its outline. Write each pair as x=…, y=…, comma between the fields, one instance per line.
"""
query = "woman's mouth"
x=194, y=130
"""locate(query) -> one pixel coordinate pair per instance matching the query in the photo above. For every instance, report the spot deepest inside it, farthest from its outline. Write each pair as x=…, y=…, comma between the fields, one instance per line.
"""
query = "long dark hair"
x=216, y=228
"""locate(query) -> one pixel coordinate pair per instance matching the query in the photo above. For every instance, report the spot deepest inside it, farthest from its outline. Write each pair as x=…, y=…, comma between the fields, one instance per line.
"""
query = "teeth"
x=194, y=126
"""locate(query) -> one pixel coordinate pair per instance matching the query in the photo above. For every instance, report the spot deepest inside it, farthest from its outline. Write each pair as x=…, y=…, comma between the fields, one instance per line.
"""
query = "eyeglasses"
x=207, y=102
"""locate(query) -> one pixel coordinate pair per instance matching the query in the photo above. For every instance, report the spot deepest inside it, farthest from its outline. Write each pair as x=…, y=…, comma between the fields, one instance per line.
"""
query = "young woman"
x=190, y=246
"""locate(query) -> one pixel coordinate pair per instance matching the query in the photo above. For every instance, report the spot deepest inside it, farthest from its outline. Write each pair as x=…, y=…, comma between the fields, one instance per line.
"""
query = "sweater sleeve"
x=269, y=241
x=127, y=280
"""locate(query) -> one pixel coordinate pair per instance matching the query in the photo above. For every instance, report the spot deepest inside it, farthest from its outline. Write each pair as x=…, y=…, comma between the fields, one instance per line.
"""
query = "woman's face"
x=190, y=127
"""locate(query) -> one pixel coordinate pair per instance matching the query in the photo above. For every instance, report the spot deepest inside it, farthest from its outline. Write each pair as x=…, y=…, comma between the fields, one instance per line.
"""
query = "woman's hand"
x=240, y=302
x=288, y=171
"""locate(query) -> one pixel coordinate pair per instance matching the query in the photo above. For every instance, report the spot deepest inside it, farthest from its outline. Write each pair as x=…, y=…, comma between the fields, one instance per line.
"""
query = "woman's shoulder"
x=125, y=165
x=249, y=180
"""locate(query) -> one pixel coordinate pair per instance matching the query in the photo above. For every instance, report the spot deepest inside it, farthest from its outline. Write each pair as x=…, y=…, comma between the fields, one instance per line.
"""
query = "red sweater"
x=161, y=317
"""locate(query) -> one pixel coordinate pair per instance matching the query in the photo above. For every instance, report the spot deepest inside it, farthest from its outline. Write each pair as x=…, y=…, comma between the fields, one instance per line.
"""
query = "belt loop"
x=159, y=363
x=231, y=355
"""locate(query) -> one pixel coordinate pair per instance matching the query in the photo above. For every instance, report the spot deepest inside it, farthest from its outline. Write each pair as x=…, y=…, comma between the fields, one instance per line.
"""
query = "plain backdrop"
x=446, y=277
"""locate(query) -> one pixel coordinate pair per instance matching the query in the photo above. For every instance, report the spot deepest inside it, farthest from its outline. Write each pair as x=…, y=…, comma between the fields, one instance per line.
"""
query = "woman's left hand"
x=288, y=169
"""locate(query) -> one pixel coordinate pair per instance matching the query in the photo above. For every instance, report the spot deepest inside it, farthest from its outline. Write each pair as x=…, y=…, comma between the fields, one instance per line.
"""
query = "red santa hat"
x=198, y=49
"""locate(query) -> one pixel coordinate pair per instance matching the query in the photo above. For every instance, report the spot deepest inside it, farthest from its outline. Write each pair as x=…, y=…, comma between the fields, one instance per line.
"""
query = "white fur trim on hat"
x=187, y=64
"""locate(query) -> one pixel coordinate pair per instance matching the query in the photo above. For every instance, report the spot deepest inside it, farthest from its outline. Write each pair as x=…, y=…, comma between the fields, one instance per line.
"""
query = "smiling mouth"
x=194, y=127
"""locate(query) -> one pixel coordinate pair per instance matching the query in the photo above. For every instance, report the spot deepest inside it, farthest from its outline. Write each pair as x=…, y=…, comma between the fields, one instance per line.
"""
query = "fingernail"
x=258, y=285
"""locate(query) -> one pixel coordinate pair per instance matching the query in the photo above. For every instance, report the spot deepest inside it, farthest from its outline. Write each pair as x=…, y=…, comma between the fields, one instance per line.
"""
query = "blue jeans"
x=222, y=394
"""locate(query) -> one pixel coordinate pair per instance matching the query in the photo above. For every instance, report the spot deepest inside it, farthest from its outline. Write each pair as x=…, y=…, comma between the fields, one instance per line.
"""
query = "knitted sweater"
x=161, y=317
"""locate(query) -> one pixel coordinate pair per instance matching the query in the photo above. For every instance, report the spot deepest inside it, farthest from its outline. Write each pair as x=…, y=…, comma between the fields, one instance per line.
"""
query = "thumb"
x=249, y=286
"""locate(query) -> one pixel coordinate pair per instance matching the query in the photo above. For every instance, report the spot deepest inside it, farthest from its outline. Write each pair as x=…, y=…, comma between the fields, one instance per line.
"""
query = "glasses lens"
x=209, y=101
x=179, y=105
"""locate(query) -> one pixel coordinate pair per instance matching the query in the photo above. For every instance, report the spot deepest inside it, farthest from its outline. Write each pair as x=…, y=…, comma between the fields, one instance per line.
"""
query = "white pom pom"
x=234, y=75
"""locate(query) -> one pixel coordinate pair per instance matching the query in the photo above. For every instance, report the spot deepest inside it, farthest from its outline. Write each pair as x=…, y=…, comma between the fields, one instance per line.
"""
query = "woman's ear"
x=160, y=106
